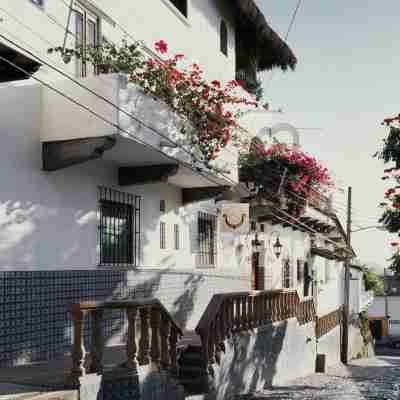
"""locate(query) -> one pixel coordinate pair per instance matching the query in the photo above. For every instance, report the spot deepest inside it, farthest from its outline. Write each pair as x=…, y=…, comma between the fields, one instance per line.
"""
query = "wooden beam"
x=194, y=195
x=146, y=174
x=65, y=153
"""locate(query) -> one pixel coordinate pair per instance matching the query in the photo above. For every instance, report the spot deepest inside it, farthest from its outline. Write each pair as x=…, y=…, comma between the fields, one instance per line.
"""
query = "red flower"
x=216, y=83
x=161, y=46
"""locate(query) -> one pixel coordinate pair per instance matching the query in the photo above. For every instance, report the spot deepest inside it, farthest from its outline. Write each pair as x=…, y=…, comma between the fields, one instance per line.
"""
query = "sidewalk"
x=367, y=379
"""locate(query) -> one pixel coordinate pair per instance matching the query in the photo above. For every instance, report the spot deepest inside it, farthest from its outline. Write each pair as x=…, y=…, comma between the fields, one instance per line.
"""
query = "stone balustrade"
x=328, y=322
x=231, y=313
x=151, y=338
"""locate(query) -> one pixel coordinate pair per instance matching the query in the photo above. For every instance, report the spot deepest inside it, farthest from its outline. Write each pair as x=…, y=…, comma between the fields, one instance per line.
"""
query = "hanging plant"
x=207, y=106
x=283, y=172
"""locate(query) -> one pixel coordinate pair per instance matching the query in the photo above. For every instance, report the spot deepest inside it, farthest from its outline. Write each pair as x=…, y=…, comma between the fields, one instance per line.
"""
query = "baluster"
x=244, y=323
x=78, y=350
x=173, y=340
x=268, y=306
x=238, y=314
x=164, y=331
x=131, y=347
x=155, y=335
x=96, y=351
x=257, y=306
x=263, y=309
x=228, y=305
x=143, y=356
x=250, y=312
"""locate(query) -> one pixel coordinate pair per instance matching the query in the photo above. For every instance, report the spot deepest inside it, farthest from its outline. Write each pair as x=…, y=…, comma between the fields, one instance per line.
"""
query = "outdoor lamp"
x=277, y=247
x=256, y=244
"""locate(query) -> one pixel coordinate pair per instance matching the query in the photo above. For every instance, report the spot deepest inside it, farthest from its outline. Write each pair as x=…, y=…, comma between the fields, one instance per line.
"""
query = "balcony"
x=129, y=130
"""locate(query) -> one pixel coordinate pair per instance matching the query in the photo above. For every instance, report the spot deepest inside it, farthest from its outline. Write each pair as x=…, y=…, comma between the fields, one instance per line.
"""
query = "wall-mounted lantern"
x=277, y=246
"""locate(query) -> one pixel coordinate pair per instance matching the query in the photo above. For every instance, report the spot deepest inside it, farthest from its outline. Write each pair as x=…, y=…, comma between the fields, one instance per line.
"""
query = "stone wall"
x=270, y=355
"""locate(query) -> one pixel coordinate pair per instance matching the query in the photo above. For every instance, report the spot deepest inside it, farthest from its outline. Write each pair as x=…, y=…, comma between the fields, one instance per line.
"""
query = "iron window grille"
x=207, y=224
x=286, y=274
x=119, y=228
x=176, y=237
x=163, y=245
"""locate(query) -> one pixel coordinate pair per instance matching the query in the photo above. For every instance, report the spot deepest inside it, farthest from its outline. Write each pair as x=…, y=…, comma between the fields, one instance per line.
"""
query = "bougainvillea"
x=211, y=108
x=297, y=176
x=390, y=153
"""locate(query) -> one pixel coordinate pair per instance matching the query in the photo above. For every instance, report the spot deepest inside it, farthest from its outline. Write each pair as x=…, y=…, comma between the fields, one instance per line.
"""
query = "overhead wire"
x=96, y=114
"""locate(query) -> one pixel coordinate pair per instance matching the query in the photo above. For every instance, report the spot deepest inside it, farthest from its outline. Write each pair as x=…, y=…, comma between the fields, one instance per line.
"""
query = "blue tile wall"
x=35, y=322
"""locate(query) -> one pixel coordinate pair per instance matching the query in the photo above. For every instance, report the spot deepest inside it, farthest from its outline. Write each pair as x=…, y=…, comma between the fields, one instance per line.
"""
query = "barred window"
x=176, y=237
x=119, y=227
x=207, y=237
x=286, y=274
x=163, y=244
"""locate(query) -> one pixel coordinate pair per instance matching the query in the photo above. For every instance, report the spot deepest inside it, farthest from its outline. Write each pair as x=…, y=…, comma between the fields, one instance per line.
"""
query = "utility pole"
x=346, y=305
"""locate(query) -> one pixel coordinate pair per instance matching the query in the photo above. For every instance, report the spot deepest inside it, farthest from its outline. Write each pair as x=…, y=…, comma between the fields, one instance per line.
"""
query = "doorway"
x=257, y=272
x=376, y=327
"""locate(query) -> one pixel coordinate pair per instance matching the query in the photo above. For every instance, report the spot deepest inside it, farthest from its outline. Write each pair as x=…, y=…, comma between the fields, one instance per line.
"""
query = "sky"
x=346, y=82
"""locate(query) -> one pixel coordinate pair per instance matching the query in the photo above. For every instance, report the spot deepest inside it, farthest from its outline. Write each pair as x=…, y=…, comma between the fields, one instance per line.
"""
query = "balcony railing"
x=232, y=313
x=157, y=342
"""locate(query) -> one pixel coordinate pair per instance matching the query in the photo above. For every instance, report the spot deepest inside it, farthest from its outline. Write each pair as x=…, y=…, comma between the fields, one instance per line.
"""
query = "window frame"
x=87, y=16
x=177, y=241
x=287, y=274
x=125, y=207
x=206, y=240
x=163, y=235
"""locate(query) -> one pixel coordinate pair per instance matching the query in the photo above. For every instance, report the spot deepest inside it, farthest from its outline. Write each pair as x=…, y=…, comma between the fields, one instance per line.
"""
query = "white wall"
x=49, y=220
x=377, y=309
x=197, y=36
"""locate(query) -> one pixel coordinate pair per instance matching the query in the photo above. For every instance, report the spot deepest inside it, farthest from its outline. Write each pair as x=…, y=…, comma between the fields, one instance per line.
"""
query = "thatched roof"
x=271, y=51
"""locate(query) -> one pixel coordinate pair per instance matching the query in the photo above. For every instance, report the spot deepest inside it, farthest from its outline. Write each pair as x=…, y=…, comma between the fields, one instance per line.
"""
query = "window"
x=286, y=274
x=207, y=224
x=119, y=227
x=163, y=244
x=87, y=34
x=262, y=227
x=181, y=5
x=176, y=237
x=299, y=271
x=224, y=38
x=307, y=279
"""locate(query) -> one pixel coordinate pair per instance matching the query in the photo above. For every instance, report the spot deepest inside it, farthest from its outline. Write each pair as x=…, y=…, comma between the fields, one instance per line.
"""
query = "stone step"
x=59, y=395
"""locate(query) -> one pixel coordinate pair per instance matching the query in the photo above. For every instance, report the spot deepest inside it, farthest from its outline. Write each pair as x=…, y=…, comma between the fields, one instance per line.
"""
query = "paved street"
x=377, y=379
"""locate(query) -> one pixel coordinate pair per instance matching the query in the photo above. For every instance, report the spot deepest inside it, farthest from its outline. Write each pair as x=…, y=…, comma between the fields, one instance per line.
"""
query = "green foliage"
x=374, y=282
x=395, y=263
x=391, y=147
x=364, y=327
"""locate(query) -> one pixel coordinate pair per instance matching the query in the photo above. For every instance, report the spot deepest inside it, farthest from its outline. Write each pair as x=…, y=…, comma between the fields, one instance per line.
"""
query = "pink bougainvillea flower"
x=161, y=46
x=216, y=83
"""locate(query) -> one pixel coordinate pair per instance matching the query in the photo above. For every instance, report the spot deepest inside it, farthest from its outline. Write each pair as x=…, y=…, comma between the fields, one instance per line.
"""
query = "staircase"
x=192, y=367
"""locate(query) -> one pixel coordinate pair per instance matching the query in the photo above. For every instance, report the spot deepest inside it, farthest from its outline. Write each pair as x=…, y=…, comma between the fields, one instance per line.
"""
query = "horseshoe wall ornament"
x=268, y=135
x=232, y=225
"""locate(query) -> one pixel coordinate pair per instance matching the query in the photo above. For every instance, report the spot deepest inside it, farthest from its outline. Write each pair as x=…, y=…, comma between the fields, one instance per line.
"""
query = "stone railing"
x=325, y=324
x=157, y=342
x=231, y=313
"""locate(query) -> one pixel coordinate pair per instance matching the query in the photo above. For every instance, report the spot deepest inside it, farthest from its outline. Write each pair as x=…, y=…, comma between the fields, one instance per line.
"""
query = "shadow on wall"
x=250, y=361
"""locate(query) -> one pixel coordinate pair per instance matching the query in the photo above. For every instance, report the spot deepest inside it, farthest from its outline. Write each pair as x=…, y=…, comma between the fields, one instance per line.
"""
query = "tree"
x=374, y=282
x=390, y=154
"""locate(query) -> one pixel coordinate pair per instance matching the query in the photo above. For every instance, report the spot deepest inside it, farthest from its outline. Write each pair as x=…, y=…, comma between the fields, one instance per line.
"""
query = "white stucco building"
x=96, y=203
